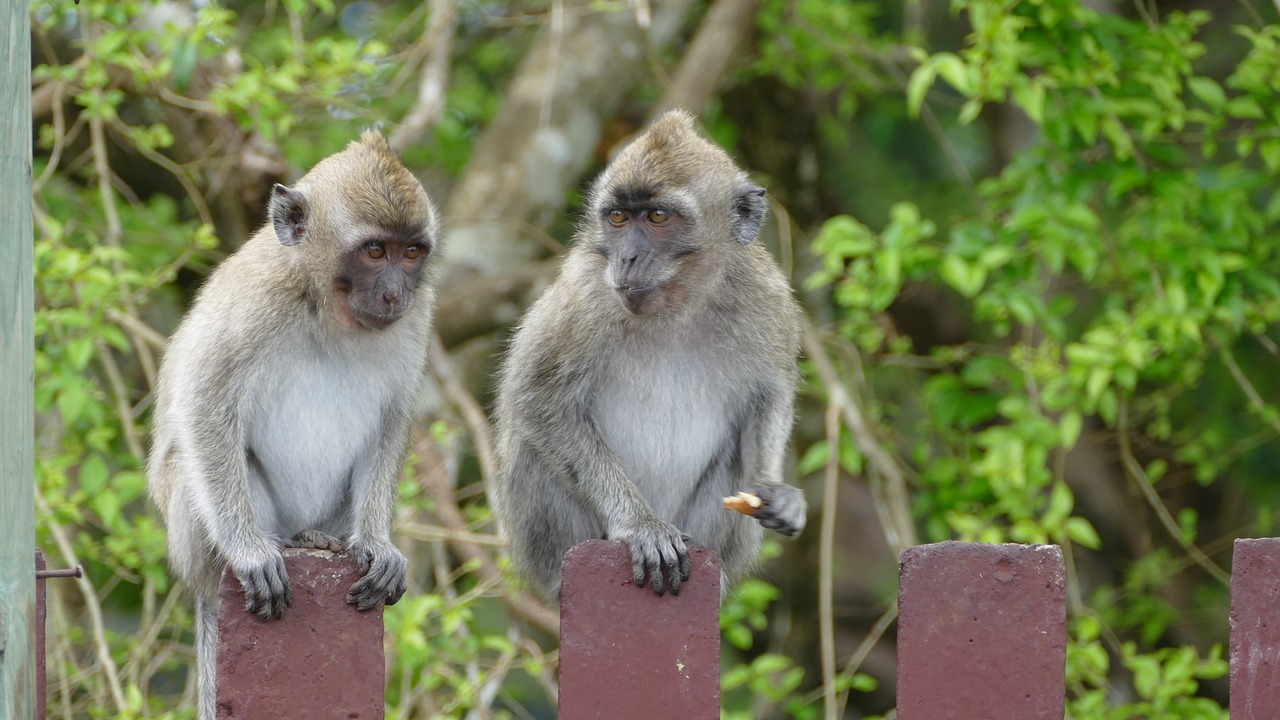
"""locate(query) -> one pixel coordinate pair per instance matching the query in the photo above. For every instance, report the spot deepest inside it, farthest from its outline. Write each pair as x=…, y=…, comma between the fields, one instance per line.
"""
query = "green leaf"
x=954, y=70
x=919, y=84
x=1208, y=91
x=1081, y=532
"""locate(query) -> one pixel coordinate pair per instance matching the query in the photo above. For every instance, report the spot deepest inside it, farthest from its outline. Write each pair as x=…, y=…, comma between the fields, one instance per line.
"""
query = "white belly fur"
x=666, y=423
x=316, y=421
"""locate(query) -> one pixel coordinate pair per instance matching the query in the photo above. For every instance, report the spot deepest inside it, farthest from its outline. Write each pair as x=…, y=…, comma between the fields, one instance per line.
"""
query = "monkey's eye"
x=375, y=250
x=617, y=217
x=657, y=217
x=412, y=252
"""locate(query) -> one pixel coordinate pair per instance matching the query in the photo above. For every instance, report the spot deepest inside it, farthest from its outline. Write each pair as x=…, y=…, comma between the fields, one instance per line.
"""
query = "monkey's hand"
x=657, y=548
x=385, y=574
x=266, y=584
x=782, y=507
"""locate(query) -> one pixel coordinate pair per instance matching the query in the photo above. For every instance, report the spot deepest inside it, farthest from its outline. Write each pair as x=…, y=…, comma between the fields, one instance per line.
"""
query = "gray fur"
x=279, y=418
x=656, y=376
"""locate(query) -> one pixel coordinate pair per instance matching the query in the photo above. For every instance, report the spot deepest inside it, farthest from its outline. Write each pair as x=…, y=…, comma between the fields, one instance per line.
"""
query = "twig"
x=1139, y=478
x=448, y=513
x=864, y=649
x=826, y=543
x=124, y=409
x=434, y=82
x=472, y=413
x=899, y=528
x=721, y=38
x=553, y=62
x=91, y=604
x=1249, y=390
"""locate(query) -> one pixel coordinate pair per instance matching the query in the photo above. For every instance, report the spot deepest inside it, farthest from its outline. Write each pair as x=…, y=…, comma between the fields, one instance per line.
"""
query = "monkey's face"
x=377, y=278
x=645, y=240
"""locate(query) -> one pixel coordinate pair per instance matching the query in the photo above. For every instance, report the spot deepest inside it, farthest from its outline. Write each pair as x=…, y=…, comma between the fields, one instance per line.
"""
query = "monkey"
x=284, y=398
x=655, y=375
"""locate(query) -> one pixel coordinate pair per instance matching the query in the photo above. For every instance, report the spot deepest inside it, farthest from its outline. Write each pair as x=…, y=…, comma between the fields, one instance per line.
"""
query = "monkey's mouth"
x=638, y=300
x=374, y=321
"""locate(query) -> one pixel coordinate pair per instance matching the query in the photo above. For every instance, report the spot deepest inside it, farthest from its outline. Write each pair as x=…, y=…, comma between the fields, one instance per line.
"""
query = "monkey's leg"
x=206, y=656
x=314, y=540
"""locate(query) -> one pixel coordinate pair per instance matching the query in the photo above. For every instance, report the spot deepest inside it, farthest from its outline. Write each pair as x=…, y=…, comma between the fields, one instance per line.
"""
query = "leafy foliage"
x=1114, y=269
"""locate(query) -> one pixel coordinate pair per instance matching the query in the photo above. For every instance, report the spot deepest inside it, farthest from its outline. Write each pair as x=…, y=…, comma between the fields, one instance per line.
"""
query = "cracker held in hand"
x=744, y=502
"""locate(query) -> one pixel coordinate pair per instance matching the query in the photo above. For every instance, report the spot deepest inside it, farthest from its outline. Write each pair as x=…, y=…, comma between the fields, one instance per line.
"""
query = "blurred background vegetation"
x=1037, y=243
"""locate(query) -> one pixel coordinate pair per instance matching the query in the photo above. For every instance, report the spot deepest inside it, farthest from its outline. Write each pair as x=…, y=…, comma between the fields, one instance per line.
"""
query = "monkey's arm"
x=218, y=479
x=385, y=568
x=764, y=441
x=555, y=420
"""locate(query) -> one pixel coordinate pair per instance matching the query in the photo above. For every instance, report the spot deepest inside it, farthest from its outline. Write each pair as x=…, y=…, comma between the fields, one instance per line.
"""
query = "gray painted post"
x=321, y=659
x=17, y=361
x=1255, y=629
x=982, y=632
x=628, y=654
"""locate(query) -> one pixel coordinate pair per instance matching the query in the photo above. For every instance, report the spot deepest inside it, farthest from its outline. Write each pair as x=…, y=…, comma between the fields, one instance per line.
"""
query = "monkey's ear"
x=289, y=211
x=749, y=211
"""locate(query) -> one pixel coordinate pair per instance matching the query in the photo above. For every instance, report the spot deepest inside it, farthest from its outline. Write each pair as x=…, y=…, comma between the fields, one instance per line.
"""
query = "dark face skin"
x=377, y=279
x=643, y=240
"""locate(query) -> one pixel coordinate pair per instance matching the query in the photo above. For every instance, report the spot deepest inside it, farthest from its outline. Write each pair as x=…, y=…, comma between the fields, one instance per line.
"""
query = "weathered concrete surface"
x=628, y=653
x=322, y=659
x=1255, y=629
x=981, y=632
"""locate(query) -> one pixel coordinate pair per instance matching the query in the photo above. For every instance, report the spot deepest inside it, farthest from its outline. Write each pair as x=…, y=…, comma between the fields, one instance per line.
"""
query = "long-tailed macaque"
x=655, y=376
x=283, y=406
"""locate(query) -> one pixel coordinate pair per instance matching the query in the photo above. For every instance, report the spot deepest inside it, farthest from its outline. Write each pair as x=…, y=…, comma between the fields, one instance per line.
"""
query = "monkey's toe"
x=314, y=540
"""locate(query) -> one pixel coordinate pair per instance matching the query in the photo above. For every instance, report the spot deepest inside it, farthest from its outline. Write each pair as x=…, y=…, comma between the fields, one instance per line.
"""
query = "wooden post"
x=17, y=362
x=322, y=659
x=1255, y=629
x=628, y=654
x=982, y=632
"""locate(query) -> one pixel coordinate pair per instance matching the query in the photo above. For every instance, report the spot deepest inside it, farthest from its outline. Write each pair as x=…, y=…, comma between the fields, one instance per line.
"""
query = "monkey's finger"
x=637, y=568
x=671, y=559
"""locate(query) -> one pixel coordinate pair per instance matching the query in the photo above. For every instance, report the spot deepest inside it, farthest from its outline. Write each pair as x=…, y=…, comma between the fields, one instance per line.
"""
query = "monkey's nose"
x=390, y=297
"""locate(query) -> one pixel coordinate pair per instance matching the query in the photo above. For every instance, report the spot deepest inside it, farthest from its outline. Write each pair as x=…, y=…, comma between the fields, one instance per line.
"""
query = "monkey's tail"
x=206, y=656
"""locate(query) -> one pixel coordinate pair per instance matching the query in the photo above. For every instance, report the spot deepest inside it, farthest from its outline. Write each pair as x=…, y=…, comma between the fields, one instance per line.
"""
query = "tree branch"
x=434, y=82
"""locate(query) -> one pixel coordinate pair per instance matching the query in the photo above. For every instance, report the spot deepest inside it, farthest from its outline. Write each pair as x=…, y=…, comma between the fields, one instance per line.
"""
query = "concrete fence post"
x=628, y=654
x=322, y=659
x=981, y=632
x=1255, y=629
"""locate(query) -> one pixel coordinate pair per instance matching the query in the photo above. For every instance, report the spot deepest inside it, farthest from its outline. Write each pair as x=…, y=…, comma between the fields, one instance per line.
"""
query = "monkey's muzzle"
x=639, y=300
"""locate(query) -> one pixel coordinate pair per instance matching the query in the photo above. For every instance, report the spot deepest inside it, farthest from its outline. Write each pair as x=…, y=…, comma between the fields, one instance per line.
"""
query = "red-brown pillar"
x=981, y=632
x=322, y=659
x=627, y=653
x=1255, y=629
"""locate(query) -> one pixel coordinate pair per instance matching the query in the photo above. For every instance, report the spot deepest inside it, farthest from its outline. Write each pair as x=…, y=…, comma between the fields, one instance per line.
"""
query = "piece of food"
x=744, y=502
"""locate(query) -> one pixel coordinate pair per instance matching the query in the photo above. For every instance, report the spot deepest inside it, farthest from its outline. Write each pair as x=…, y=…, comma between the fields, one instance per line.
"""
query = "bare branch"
x=437, y=485
x=892, y=498
x=523, y=164
x=721, y=39
x=826, y=562
x=434, y=82
x=1139, y=478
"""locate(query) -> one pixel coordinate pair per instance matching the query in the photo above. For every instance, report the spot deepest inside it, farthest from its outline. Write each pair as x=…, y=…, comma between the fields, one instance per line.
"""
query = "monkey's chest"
x=313, y=435
x=669, y=425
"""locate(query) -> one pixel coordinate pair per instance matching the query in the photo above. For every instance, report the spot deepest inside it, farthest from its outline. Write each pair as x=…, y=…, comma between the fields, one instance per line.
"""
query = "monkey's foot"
x=782, y=508
x=659, y=555
x=314, y=540
x=385, y=574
